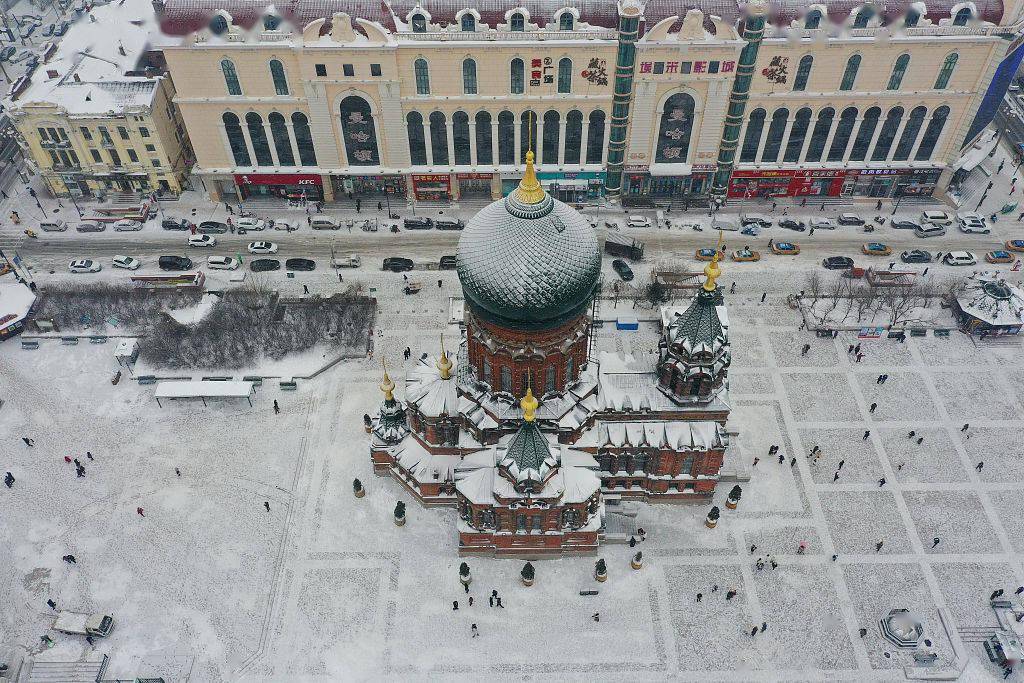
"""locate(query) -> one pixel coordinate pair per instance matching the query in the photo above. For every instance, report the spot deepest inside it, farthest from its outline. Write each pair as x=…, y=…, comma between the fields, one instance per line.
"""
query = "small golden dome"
x=529, y=190
x=529, y=405
x=444, y=364
x=387, y=385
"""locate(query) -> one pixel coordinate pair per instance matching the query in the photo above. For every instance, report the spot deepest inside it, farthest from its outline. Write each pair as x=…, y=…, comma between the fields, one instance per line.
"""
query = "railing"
x=509, y=36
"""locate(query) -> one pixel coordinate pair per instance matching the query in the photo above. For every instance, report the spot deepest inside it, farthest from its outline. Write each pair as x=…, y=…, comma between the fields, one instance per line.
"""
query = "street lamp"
x=899, y=197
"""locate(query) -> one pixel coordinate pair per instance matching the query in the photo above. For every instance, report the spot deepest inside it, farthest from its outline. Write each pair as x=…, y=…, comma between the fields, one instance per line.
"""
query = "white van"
x=221, y=263
x=755, y=219
x=323, y=223
x=53, y=226
x=936, y=218
x=639, y=222
x=930, y=230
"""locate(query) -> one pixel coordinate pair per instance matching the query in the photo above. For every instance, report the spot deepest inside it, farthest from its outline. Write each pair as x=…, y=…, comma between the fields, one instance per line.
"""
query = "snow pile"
x=193, y=314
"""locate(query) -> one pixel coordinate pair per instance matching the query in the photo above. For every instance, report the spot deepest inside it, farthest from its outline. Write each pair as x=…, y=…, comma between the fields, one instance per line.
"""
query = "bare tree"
x=814, y=286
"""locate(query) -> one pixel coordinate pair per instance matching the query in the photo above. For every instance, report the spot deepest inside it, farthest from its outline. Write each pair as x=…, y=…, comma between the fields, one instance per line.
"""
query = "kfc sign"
x=278, y=179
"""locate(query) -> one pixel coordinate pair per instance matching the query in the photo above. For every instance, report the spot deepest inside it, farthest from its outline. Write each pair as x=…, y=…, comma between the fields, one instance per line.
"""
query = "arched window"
x=864, y=134
x=549, y=379
x=419, y=23
x=946, y=72
x=963, y=15
x=227, y=67
x=258, y=136
x=887, y=134
x=271, y=22
x=570, y=365
x=422, y=72
x=864, y=15
x=506, y=379
x=803, y=72
x=506, y=138
x=931, y=134
x=359, y=132
x=516, y=76
x=219, y=25
x=550, y=147
x=776, y=131
x=910, y=132
x=564, y=75
x=566, y=21
x=911, y=18
x=468, y=22
x=282, y=140
x=752, y=138
x=573, y=137
x=517, y=22
x=899, y=69
x=303, y=139
x=469, y=76
x=847, y=120
x=236, y=140
x=484, y=153
x=816, y=147
x=813, y=19
x=797, y=136
x=527, y=134
x=439, y=138
x=460, y=138
x=277, y=73
x=674, y=130
x=417, y=145
x=850, y=75
x=595, y=139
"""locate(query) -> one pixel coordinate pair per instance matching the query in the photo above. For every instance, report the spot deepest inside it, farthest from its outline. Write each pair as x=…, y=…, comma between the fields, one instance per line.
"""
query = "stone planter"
x=368, y=428
x=601, y=577
x=466, y=580
x=710, y=523
x=526, y=582
x=636, y=564
x=731, y=504
x=360, y=493
x=400, y=521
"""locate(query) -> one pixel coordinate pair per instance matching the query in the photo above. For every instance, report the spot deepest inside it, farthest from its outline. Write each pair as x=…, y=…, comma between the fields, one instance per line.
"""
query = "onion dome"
x=528, y=459
x=390, y=426
x=528, y=261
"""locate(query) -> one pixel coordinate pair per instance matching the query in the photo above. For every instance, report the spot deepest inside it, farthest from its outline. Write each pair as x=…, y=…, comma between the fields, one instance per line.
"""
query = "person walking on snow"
x=878, y=546
x=935, y=541
x=70, y=559
x=266, y=504
x=28, y=442
x=140, y=512
x=979, y=465
x=474, y=629
x=277, y=408
x=51, y=604
x=9, y=480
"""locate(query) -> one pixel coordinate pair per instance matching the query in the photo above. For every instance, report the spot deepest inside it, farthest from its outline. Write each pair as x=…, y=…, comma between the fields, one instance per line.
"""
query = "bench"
x=71, y=341
x=29, y=344
x=288, y=385
x=146, y=379
x=255, y=379
x=97, y=340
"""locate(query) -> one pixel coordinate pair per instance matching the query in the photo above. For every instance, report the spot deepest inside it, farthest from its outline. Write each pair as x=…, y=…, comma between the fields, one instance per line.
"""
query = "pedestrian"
x=792, y=463
x=863, y=632
x=867, y=433
x=879, y=380
x=979, y=465
x=878, y=546
x=140, y=512
x=498, y=601
x=9, y=480
x=892, y=264
x=455, y=605
x=1020, y=589
x=881, y=482
x=732, y=288
x=465, y=585
x=856, y=349
x=277, y=408
x=70, y=559
x=753, y=632
x=822, y=207
x=266, y=504
x=935, y=541
x=632, y=541
x=899, y=467
x=730, y=594
x=80, y=471
x=964, y=428
x=380, y=207
x=878, y=206
x=756, y=460
x=860, y=357
x=89, y=455
x=841, y=463
x=774, y=564
x=885, y=378
x=699, y=596
x=835, y=557
x=177, y=471
x=28, y=442
x=643, y=534
x=770, y=240
x=774, y=205
x=752, y=548
x=439, y=283
x=871, y=409
x=773, y=449
x=925, y=270
x=47, y=641
x=912, y=434
x=764, y=626
x=764, y=295
x=51, y=604
x=490, y=600
x=835, y=477
x=596, y=616
x=782, y=458
x=305, y=289
x=995, y=594
x=811, y=231
x=309, y=220
x=807, y=347
x=714, y=589
x=473, y=628
x=470, y=597
x=92, y=643
x=920, y=440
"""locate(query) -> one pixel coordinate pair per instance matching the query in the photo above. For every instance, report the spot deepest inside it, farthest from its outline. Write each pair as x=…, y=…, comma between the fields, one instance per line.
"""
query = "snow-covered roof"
x=629, y=384
x=701, y=435
x=203, y=389
x=992, y=300
x=528, y=456
x=431, y=395
x=422, y=464
x=16, y=300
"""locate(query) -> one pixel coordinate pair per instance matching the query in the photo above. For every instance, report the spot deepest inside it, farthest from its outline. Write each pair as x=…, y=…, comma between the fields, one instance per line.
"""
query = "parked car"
x=875, y=249
x=212, y=228
x=91, y=226
x=959, y=258
x=755, y=219
x=175, y=224
x=930, y=230
x=972, y=222
x=638, y=222
x=418, y=223
x=262, y=248
x=22, y=56
x=447, y=263
x=323, y=223
x=175, y=263
x=999, y=256
x=62, y=28
x=936, y=218
x=300, y=264
x=83, y=624
x=56, y=225
x=792, y=224
x=126, y=225
x=916, y=256
x=397, y=264
x=850, y=219
x=837, y=262
x=822, y=224
x=7, y=52
x=904, y=224
x=285, y=225
x=84, y=266
x=785, y=248
x=27, y=31
x=449, y=225
x=126, y=262
x=746, y=255
x=262, y=265
x=202, y=241
x=623, y=269
x=221, y=263
x=48, y=30
x=351, y=261
x=251, y=223
x=1015, y=245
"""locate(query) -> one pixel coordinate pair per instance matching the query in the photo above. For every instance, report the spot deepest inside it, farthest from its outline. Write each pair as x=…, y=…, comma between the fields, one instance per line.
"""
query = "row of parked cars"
x=928, y=224
x=180, y=263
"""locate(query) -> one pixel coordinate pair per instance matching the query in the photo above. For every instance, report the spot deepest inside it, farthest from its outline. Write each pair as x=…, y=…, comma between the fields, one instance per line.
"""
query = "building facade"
x=434, y=101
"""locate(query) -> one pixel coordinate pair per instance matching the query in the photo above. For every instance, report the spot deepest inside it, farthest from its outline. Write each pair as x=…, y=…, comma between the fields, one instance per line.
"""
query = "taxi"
x=1015, y=245
x=876, y=249
x=746, y=255
x=999, y=256
x=785, y=248
x=709, y=254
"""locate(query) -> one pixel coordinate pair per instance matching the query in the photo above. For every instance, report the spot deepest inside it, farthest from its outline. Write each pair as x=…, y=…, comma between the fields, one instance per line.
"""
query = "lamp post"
x=899, y=198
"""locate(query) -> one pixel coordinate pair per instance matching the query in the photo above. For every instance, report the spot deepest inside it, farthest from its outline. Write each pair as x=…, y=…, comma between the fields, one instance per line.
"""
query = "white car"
x=262, y=248
x=84, y=266
x=126, y=225
x=288, y=226
x=959, y=258
x=222, y=263
x=936, y=218
x=973, y=222
x=251, y=223
x=639, y=222
x=202, y=241
x=126, y=262
x=822, y=223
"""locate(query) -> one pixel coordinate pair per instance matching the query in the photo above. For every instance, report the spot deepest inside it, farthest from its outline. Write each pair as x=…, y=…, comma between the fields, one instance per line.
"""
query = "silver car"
x=127, y=225
x=91, y=226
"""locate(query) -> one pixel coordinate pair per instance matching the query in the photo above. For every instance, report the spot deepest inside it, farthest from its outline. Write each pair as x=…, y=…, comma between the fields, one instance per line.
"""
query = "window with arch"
x=469, y=76
x=549, y=148
x=219, y=25
x=850, y=74
x=573, y=137
x=946, y=72
x=564, y=75
x=549, y=379
x=899, y=70
x=776, y=131
x=236, y=140
x=484, y=152
x=506, y=138
x=931, y=134
x=258, y=137
x=303, y=139
x=271, y=22
x=527, y=135
x=516, y=76
x=282, y=139
x=910, y=133
x=803, y=72
x=911, y=19
x=280, y=80
x=816, y=147
x=359, y=132
x=439, y=138
x=797, y=136
x=417, y=145
x=227, y=67
x=844, y=129
x=468, y=22
x=570, y=367
x=887, y=135
x=566, y=21
x=595, y=139
x=752, y=138
x=813, y=19
x=517, y=22
x=506, y=379
x=422, y=73
x=864, y=15
x=419, y=23
x=864, y=134
x=963, y=15
x=460, y=138
x=674, y=130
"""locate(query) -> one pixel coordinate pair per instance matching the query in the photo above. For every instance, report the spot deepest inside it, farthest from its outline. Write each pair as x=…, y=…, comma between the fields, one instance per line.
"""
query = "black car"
x=175, y=263
x=300, y=264
x=838, y=262
x=623, y=269
x=261, y=265
x=397, y=264
x=447, y=263
x=418, y=223
x=449, y=225
x=175, y=224
x=916, y=256
x=212, y=228
x=7, y=52
x=904, y=224
x=792, y=224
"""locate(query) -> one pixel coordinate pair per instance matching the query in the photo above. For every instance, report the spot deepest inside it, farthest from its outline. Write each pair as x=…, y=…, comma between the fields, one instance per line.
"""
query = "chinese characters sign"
x=542, y=71
x=709, y=67
x=596, y=72
x=777, y=69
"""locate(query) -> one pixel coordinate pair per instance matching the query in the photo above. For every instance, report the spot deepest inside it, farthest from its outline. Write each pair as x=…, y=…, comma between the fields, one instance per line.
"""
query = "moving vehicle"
x=875, y=249
x=351, y=261
x=323, y=223
x=53, y=226
x=746, y=255
x=959, y=258
x=785, y=248
x=447, y=263
x=1015, y=245
x=287, y=226
x=837, y=262
x=262, y=248
x=221, y=263
x=850, y=219
x=936, y=218
x=792, y=224
x=973, y=222
x=90, y=226
x=202, y=241
x=930, y=231
x=757, y=219
x=212, y=228
x=300, y=264
x=397, y=264
x=84, y=266
x=638, y=222
x=175, y=224
x=126, y=225
x=412, y=287
x=822, y=224
x=79, y=623
x=623, y=269
x=126, y=262
x=251, y=223
x=708, y=254
x=175, y=263
x=262, y=265
x=449, y=225
x=418, y=223
x=904, y=224
x=916, y=256
x=999, y=256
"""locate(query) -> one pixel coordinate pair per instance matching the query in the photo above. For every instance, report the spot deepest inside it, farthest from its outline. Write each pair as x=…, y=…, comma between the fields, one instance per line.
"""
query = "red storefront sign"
x=431, y=186
x=278, y=179
x=753, y=184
